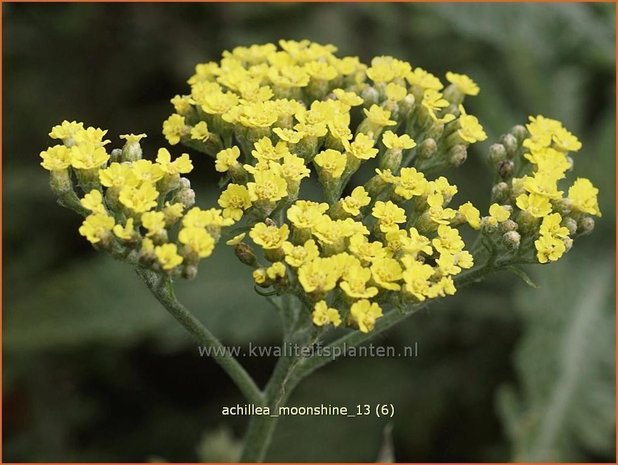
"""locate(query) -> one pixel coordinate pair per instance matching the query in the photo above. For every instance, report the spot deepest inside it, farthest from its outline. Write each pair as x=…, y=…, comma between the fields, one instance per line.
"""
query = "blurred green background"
x=95, y=370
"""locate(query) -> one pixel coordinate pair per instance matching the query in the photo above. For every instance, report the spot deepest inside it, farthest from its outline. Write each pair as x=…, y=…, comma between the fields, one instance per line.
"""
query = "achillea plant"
x=369, y=252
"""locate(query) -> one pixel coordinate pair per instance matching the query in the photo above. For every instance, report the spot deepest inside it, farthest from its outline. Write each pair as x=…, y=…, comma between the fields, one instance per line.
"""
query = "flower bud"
x=60, y=182
x=563, y=206
x=370, y=95
x=88, y=179
x=497, y=153
x=391, y=160
x=186, y=196
x=427, y=148
x=570, y=224
x=189, y=272
x=511, y=240
x=488, y=226
x=115, y=156
x=568, y=243
x=510, y=144
x=505, y=168
x=457, y=155
x=132, y=151
x=500, y=193
x=519, y=132
x=527, y=223
x=508, y=225
x=260, y=277
x=435, y=130
x=585, y=225
x=245, y=254
x=406, y=105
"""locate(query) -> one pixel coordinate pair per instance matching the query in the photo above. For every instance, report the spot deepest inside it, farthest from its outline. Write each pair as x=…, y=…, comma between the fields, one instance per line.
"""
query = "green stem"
x=261, y=427
x=162, y=290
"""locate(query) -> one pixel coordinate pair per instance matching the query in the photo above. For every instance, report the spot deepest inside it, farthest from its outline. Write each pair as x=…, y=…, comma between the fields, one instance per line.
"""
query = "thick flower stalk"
x=383, y=238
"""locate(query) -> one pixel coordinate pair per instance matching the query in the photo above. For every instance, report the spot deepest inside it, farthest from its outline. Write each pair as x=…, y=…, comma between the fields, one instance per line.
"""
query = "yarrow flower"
x=328, y=191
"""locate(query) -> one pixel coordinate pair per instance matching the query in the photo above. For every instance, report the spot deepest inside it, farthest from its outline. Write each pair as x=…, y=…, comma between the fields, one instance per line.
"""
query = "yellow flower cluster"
x=533, y=169
x=351, y=257
x=135, y=208
x=272, y=118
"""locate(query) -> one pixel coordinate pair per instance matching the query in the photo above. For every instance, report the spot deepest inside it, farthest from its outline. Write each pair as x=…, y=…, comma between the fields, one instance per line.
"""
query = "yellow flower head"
x=318, y=276
x=331, y=162
x=471, y=214
x=268, y=186
x=354, y=283
x=549, y=248
x=410, y=183
x=133, y=138
x=96, y=227
x=293, y=168
x=147, y=171
x=56, y=158
x=200, y=132
x=174, y=128
x=181, y=165
x=498, y=213
x=379, y=116
x=437, y=213
x=288, y=135
x=386, y=272
x=551, y=226
x=583, y=196
x=297, y=255
x=66, y=130
x=388, y=215
x=87, y=156
x=276, y=271
x=365, y=313
x=355, y=201
x=227, y=159
x=167, y=255
x=542, y=184
x=448, y=240
x=154, y=222
x=93, y=201
x=416, y=278
x=234, y=200
x=305, y=214
x=535, y=204
x=396, y=92
x=139, y=199
x=126, y=232
x=269, y=237
x=324, y=315
x=361, y=148
x=393, y=141
x=91, y=137
x=348, y=98
x=198, y=240
x=434, y=101
x=465, y=85
x=181, y=103
x=565, y=141
x=470, y=130
x=172, y=212
x=118, y=175
x=423, y=79
x=265, y=150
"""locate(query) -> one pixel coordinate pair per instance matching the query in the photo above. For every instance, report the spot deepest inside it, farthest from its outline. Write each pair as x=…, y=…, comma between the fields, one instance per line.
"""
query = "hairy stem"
x=162, y=290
